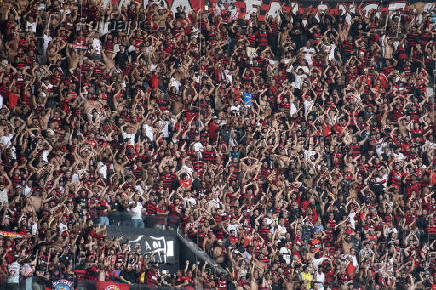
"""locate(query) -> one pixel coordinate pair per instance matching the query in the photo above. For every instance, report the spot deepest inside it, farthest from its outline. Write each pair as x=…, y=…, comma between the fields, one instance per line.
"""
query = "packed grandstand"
x=295, y=145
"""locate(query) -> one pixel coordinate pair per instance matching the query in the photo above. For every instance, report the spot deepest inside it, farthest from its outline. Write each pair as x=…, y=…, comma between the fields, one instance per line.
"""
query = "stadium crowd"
x=296, y=149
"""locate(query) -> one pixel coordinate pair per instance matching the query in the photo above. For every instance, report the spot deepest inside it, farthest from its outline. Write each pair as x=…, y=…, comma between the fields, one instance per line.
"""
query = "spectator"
x=13, y=278
x=136, y=209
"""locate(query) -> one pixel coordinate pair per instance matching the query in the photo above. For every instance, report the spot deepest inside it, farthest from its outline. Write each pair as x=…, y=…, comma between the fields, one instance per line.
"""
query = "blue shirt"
x=247, y=99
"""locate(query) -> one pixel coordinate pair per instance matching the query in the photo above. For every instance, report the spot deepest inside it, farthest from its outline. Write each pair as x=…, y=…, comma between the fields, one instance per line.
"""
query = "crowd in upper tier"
x=296, y=149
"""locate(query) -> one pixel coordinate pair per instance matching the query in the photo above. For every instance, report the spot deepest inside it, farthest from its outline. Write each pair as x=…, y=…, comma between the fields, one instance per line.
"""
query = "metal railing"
x=161, y=222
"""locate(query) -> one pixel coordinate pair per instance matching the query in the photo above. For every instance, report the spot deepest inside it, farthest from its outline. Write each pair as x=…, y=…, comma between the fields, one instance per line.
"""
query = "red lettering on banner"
x=286, y=9
x=265, y=6
x=109, y=285
x=196, y=5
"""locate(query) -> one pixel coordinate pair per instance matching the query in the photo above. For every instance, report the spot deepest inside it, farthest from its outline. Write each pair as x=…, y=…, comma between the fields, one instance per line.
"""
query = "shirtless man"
x=388, y=48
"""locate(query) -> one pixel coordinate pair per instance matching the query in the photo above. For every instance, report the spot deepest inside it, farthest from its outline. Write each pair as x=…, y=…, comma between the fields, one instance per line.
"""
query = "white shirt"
x=379, y=148
x=27, y=190
x=153, y=67
x=47, y=86
x=175, y=83
x=75, y=177
x=198, y=147
x=192, y=201
x=281, y=230
x=165, y=130
x=235, y=108
x=231, y=227
x=188, y=169
x=194, y=32
x=289, y=68
x=304, y=68
x=102, y=169
x=221, y=122
x=285, y=254
x=273, y=62
x=131, y=48
x=139, y=188
x=229, y=77
x=45, y=155
x=14, y=272
x=1, y=102
x=292, y=109
x=215, y=203
x=355, y=263
x=233, y=142
x=352, y=221
x=348, y=18
x=308, y=154
x=116, y=47
x=6, y=140
x=68, y=11
x=13, y=153
x=308, y=106
x=47, y=40
x=130, y=137
x=96, y=45
x=148, y=131
x=308, y=53
x=317, y=262
x=34, y=229
x=148, y=49
x=31, y=26
x=103, y=27
x=399, y=157
x=136, y=211
x=299, y=79
x=332, y=51
x=365, y=252
x=320, y=277
x=4, y=196
x=62, y=227
x=429, y=144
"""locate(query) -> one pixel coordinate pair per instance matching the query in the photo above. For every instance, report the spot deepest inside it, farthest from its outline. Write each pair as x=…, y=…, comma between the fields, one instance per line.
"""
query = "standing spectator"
x=136, y=210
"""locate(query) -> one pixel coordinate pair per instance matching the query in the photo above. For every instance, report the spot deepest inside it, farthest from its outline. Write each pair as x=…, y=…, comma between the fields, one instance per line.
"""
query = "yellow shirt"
x=307, y=277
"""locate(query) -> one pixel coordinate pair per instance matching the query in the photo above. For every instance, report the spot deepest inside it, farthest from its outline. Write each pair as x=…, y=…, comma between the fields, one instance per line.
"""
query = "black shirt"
x=129, y=275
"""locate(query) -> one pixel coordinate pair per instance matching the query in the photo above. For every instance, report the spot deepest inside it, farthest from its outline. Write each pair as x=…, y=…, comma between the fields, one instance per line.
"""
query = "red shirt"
x=13, y=100
x=213, y=127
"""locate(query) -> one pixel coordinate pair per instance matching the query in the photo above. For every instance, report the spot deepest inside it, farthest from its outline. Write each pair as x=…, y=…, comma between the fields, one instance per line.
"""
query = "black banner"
x=161, y=245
